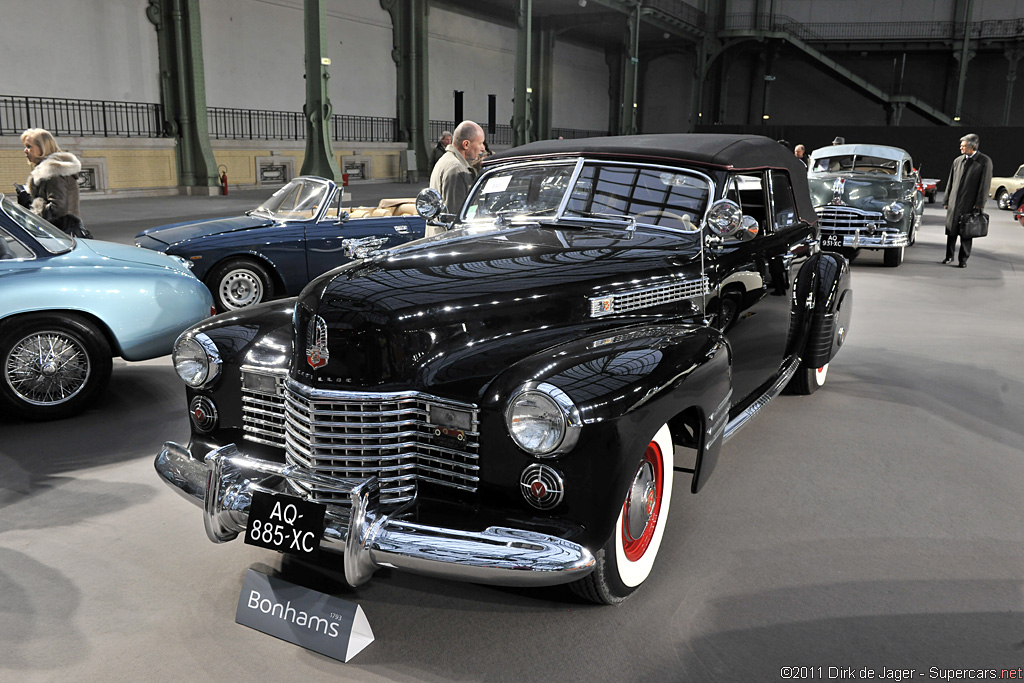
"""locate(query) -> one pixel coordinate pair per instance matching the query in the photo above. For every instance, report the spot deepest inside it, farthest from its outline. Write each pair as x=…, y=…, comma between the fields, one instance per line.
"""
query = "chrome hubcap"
x=642, y=499
x=47, y=368
x=240, y=288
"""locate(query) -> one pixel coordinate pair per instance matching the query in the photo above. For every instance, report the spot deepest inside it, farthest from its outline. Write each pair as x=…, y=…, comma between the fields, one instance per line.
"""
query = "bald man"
x=453, y=175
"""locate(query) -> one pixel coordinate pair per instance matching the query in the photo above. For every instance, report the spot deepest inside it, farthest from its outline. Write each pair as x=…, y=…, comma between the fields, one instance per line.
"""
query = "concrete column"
x=613, y=57
x=964, y=10
x=409, y=52
x=522, y=110
x=630, y=77
x=543, y=80
x=183, y=90
x=1013, y=57
x=317, y=110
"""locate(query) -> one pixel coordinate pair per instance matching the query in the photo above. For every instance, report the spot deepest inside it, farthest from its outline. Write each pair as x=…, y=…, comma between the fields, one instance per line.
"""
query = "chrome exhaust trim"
x=370, y=539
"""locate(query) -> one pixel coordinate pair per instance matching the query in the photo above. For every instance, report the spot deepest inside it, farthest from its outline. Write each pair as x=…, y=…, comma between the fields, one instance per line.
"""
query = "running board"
x=774, y=390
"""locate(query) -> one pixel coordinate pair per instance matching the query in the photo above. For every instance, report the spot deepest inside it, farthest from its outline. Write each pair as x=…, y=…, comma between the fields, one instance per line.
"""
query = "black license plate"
x=285, y=523
x=831, y=241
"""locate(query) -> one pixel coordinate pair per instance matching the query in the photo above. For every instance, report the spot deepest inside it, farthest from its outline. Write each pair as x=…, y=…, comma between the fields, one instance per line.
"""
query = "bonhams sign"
x=316, y=621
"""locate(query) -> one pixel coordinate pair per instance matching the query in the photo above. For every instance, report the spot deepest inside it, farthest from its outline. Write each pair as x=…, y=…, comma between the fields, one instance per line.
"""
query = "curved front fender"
x=638, y=380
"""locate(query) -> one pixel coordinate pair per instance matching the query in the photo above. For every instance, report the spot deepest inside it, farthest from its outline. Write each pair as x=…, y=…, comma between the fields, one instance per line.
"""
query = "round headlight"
x=196, y=359
x=542, y=420
x=893, y=212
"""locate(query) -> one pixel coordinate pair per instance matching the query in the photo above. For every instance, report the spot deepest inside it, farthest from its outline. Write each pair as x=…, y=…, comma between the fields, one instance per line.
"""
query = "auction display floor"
x=875, y=524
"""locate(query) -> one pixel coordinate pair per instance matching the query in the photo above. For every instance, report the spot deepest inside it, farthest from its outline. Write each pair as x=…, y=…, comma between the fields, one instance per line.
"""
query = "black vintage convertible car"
x=515, y=400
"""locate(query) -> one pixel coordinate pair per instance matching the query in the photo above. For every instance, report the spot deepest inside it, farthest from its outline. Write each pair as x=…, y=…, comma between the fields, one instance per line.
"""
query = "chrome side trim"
x=718, y=419
x=622, y=302
x=366, y=537
x=774, y=390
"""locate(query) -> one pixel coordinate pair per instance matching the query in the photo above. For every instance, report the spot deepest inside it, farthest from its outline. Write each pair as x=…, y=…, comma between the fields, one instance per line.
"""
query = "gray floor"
x=874, y=524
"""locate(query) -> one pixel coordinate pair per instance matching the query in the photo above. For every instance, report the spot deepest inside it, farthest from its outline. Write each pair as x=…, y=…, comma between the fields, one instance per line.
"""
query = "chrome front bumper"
x=879, y=240
x=369, y=539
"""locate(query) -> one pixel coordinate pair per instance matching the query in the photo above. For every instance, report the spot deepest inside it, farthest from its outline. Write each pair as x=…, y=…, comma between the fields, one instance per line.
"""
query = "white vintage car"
x=1003, y=188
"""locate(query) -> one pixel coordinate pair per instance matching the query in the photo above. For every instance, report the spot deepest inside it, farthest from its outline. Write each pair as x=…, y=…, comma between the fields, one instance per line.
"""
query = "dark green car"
x=866, y=197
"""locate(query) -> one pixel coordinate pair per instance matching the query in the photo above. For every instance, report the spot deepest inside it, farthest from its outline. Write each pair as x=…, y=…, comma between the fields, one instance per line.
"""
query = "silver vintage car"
x=866, y=197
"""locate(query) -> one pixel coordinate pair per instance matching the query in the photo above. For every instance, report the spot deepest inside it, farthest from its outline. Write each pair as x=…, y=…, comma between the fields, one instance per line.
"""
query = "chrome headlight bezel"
x=559, y=420
x=893, y=212
x=196, y=359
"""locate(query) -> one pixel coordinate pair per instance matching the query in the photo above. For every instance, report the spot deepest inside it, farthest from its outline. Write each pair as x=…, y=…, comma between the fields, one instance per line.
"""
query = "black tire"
x=894, y=256
x=725, y=310
x=931, y=197
x=627, y=558
x=807, y=380
x=52, y=367
x=239, y=283
x=1003, y=199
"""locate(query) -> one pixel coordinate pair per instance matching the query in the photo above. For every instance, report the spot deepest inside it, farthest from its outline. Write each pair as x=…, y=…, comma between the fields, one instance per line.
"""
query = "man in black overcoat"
x=966, y=190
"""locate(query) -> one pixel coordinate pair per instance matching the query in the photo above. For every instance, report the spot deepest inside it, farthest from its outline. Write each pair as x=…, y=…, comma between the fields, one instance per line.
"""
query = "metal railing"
x=504, y=135
x=680, y=11
x=574, y=133
x=260, y=124
x=80, y=118
x=874, y=31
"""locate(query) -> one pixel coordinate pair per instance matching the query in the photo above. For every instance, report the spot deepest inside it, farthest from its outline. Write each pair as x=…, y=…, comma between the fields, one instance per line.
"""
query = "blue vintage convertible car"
x=69, y=305
x=274, y=250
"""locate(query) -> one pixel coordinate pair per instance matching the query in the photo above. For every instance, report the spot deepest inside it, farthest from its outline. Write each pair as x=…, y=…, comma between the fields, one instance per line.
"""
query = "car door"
x=326, y=238
x=755, y=281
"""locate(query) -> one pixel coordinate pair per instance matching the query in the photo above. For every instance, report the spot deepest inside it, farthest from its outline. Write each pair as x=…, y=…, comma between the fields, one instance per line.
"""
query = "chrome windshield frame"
x=560, y=214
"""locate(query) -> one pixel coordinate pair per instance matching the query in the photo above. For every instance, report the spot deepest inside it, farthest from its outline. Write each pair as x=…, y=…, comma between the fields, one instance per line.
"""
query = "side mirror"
x=342, y=218
x=748, y=229
x=429, y=204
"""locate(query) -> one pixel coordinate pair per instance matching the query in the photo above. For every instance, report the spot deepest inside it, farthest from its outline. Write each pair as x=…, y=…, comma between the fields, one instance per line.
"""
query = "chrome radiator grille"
x=401, y=438
x=263, y=407
x=845, y=218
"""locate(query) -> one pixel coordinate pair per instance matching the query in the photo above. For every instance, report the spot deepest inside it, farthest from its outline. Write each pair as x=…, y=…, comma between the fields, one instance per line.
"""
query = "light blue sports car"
x=69, y=305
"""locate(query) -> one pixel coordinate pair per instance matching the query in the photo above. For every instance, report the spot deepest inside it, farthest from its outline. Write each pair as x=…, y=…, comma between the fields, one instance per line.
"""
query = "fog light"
x=203, y=413
x=542, y=486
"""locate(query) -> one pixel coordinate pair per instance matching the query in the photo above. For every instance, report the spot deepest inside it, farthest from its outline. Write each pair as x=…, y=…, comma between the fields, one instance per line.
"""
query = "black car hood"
x=448, y=314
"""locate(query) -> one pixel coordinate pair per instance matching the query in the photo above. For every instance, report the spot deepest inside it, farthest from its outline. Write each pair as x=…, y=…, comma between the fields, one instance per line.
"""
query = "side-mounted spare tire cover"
x=833, y=307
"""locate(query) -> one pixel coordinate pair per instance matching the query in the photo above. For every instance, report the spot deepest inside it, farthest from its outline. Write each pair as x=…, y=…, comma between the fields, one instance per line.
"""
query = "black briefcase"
x=974, y=224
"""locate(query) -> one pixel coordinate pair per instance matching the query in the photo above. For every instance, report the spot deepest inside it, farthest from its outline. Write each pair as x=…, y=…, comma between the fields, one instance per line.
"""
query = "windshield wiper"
x=510, y=217
x=628, y=221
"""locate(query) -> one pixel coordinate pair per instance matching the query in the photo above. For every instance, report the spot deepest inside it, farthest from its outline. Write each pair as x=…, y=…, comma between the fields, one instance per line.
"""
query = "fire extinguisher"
x=224, y=179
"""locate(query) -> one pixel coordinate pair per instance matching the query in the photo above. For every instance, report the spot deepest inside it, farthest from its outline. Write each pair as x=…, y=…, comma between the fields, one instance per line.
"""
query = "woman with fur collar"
x=53, y=183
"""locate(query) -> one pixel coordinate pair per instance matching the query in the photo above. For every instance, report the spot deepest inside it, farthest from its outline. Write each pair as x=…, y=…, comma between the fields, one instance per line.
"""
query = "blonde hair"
x=43, y=138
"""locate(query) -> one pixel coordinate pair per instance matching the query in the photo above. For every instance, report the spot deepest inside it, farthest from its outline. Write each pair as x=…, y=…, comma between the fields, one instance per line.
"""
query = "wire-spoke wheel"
x=626, y=560
x=51, y=367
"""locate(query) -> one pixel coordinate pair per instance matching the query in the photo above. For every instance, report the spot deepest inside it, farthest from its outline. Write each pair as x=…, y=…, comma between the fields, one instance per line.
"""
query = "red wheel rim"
x=634, y=547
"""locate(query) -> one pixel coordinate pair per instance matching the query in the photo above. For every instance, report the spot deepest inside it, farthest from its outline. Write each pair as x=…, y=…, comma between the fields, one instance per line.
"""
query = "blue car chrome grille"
x=357, y=435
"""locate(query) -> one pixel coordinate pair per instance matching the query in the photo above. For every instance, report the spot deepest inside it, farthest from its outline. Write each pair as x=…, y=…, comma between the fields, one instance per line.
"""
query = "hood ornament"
x=837, y=192
x=316, y=342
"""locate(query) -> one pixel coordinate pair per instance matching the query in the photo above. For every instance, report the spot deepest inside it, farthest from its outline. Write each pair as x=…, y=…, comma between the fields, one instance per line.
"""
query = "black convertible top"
x=717, y=150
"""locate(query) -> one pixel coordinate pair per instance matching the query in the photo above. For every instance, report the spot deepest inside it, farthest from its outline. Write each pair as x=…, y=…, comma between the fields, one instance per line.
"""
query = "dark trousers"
x=965, y=247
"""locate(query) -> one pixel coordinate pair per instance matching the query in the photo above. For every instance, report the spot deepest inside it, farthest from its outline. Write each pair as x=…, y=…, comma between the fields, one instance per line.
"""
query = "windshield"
x=298, y=200
x=652, y=196
x=52, y=238
x=857, y=163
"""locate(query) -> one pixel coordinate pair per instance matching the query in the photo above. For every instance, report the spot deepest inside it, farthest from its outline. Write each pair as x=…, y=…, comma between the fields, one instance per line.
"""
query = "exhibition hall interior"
x=504, y=340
